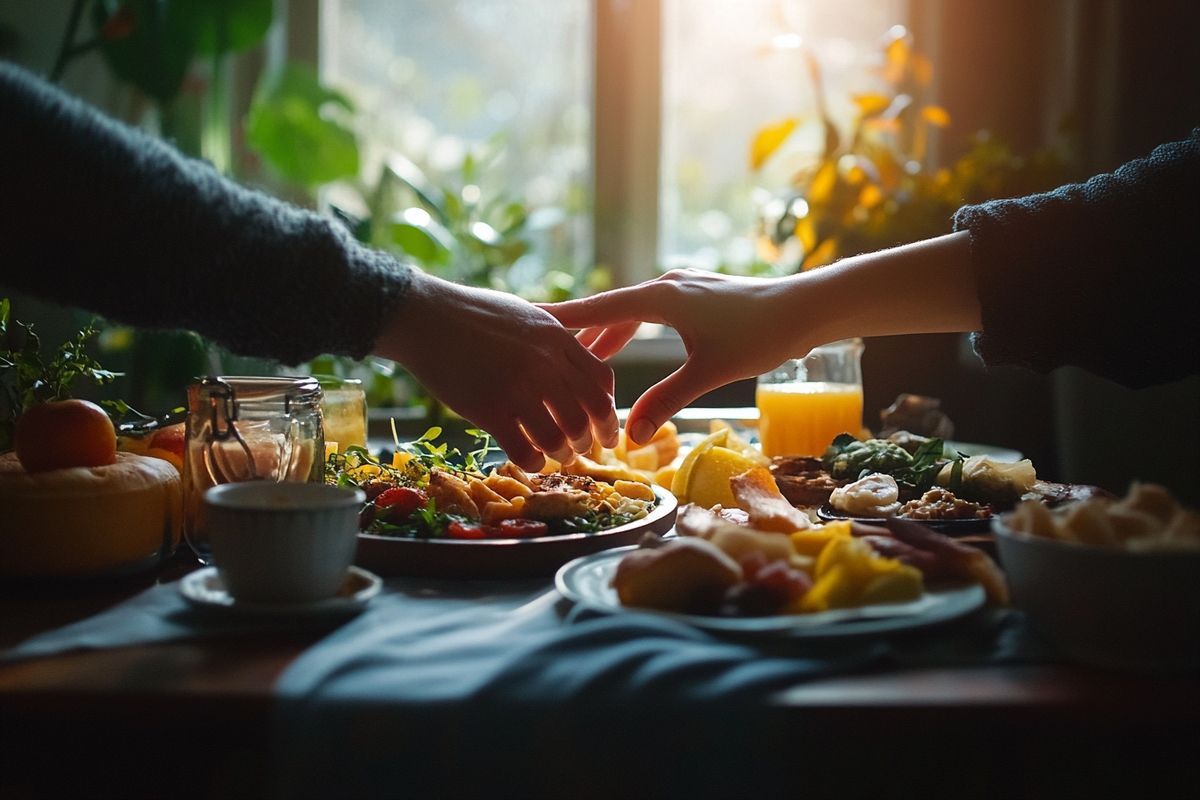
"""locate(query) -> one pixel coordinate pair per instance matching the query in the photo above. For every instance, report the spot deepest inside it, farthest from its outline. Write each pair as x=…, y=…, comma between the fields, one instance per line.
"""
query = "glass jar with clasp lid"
x=246, y=429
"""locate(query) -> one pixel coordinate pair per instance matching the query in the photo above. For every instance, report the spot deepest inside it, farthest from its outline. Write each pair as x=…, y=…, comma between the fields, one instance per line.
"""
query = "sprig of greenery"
x=27, y=379
x=847, y=457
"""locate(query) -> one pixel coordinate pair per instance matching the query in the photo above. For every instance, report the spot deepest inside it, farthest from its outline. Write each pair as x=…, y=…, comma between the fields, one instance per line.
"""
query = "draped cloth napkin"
x=505, y=690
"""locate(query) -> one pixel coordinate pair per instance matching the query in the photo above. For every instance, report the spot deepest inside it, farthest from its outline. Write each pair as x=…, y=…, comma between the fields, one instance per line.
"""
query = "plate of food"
x=765, y=569
x=588, y=581
x=436, y=512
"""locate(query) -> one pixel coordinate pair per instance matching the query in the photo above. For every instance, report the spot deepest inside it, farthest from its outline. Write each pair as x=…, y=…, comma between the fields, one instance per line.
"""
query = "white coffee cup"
x=282, y=542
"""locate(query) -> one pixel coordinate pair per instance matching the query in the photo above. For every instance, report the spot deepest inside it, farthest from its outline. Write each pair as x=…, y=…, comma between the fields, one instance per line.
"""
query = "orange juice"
x=801, y=418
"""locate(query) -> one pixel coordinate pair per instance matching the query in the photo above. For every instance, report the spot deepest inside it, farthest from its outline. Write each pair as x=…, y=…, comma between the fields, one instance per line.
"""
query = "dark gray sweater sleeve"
x=1102, y=275
x=99, y=215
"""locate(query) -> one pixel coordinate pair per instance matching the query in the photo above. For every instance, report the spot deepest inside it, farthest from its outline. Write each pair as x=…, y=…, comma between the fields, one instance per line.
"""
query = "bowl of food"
x=1111, y=583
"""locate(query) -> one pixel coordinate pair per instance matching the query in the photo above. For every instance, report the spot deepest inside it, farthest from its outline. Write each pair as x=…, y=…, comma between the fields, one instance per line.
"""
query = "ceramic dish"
x=503, y=558
x=204, y=589
x=949, y=527
x=587, y=581
x=1107, y=607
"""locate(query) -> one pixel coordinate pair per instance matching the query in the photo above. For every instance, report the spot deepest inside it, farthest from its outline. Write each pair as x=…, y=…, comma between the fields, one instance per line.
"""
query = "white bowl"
x=1110, y=608
x=282, y=542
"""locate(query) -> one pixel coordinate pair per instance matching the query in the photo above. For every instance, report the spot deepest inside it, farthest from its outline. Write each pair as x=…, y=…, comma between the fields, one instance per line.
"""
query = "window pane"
x=729, y=69
x=434, y=81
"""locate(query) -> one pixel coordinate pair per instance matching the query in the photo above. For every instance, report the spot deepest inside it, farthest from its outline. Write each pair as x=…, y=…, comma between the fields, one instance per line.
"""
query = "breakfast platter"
x=504, y=557
x=588, y=581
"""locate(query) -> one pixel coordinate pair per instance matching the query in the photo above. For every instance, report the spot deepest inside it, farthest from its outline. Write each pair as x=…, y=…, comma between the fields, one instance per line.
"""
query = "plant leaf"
x=935, y=115
x=292, y=124
x=245, y=23
x=769, y=138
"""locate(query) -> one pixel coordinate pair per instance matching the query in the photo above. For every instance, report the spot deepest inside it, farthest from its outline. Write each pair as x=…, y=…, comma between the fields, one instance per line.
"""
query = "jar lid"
x=259, y=389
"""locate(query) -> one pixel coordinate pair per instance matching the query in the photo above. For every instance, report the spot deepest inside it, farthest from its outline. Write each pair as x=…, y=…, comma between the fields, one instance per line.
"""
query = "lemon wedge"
x=703, y=477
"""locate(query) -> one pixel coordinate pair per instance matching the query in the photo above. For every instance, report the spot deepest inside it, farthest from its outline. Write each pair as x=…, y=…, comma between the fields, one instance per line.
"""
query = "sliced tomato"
x=521, y=529
x=400, y=502
x=465, y=530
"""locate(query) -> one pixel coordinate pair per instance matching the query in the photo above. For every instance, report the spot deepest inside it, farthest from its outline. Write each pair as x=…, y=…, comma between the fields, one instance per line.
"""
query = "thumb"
x=662, y=400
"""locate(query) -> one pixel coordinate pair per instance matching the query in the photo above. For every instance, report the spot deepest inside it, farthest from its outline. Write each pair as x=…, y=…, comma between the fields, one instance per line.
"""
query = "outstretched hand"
x=505, y=365
x=732, y=328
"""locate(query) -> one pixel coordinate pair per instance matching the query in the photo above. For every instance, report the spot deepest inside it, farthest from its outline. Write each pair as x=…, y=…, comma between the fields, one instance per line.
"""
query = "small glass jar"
x=248, y=428
x=805, y=402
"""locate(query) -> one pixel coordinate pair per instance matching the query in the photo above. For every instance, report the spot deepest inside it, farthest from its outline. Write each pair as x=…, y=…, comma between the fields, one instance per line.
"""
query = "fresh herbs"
x=26, y=378
x=425, y=451
x=424, y=523
x=849, y=459
x=592, y=522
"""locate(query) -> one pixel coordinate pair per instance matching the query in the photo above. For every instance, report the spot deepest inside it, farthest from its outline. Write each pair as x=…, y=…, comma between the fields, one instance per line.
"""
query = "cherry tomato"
x=521, y=529
x=400, y=501
x=465, y=530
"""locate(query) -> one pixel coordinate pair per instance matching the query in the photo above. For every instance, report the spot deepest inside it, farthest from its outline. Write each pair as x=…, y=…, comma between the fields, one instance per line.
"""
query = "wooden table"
x=193, y=718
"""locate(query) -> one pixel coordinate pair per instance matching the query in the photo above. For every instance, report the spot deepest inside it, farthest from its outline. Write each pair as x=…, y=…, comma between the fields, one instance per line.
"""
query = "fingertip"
x=641, y=431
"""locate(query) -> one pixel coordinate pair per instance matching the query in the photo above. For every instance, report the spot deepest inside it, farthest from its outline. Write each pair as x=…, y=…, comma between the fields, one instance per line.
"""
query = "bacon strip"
x=953, y=559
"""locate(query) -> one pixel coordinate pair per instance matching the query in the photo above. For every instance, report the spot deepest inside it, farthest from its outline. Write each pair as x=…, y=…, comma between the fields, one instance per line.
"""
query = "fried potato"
x=499, y=510
x=634, y=490
x=507, y=487
x=482, y=494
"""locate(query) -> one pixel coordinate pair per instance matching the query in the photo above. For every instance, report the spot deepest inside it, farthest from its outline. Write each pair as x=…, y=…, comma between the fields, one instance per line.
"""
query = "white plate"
x=587, y=580
x=204, y=589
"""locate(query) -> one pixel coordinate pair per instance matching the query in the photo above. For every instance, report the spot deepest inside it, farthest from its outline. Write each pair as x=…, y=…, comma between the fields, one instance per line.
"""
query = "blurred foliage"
x=447, y=226
x=872, y=187
x=152, y=43
x=153, y=46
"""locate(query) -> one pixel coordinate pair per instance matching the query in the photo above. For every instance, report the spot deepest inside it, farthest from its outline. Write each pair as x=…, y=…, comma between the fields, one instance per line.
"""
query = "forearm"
x=107, y=218
x=925, y=287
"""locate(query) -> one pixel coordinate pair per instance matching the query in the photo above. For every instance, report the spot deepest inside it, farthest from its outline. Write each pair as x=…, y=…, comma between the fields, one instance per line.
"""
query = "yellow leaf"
x=821, y=186
x=825, y=253
x=872, y=103
x=806, y=233
x=870, y=196
x=936, y=115
x=896, y=53
x=768, y=139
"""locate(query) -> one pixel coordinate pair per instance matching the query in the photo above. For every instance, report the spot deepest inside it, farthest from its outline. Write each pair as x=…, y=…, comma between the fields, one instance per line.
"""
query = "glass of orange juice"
x=805, y=402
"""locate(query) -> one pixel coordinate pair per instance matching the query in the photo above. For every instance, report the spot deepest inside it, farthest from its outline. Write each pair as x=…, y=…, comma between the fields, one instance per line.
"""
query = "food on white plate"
x=875, y=495
x=682, y=576
x=810, y=568
x=986, y=480
x=848, y=459
x=941, y=504
x=738, y=540
x=76, y=521
x=432, y=492
x=703, y=475
x=756, y=492
x=1147, y=519
x=941, y=558
x=803, y=480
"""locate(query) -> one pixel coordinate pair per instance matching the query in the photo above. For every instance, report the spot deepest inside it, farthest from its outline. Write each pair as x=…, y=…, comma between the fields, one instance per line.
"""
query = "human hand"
x=506, y=366
x=732, y=328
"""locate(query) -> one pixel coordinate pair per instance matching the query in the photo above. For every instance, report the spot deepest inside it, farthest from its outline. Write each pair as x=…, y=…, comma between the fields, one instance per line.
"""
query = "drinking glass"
x=343, y=412
x=805, y=402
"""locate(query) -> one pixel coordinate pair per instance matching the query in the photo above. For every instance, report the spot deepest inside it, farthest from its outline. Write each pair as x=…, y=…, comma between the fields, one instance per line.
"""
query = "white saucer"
x=204, y=589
